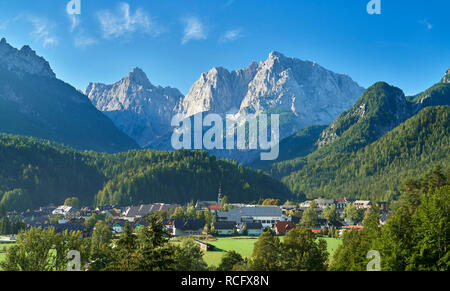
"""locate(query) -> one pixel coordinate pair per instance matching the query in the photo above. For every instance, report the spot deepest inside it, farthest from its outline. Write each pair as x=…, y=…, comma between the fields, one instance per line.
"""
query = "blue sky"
x=173, y=41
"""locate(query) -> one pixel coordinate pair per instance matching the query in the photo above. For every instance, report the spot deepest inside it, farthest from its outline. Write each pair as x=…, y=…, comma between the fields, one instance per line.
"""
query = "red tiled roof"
x=215, y=207
x=284, y=226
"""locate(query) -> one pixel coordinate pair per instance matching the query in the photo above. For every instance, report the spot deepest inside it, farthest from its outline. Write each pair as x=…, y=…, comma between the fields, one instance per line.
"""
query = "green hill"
x=49, y=173
x=300, y=144
x=375, y=171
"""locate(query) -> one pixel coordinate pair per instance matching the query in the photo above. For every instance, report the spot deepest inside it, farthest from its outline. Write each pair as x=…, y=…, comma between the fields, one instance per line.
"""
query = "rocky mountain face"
x=381, y=108
x=305, y=92
x=138, y=108
x=23, y=61
x=446, y=78
x=34, y=102
x=302, y=92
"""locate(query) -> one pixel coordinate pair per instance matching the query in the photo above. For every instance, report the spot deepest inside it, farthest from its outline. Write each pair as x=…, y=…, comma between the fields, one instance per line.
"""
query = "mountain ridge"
x=33, y=102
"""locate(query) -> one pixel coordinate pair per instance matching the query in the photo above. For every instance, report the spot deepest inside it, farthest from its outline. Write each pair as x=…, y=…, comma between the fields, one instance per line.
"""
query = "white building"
x=266, y=215
x=366, y=204
x=64, y=210
x=324, y=203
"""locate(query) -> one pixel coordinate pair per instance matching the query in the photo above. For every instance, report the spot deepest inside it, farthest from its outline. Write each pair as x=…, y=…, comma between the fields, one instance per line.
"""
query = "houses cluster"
x=253, y=219
x=68, y=218
x=234, y=219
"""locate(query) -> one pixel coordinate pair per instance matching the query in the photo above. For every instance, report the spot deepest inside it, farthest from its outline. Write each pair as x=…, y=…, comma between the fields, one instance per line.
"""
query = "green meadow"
x=3, y=248
x=244, y=246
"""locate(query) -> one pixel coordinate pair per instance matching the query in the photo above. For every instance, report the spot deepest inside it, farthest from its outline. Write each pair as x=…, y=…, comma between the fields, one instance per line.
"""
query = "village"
x=214, y=218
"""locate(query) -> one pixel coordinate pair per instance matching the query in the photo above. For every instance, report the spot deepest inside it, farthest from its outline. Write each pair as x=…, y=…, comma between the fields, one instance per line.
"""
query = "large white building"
x=266, y=215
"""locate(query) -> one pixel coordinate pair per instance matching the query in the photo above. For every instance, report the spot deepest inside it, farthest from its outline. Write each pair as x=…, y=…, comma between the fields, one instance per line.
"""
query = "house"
x=177, y=227
x=201, y=205
x=204, y=245
x=254, y=228
x=305, y=205
x=266, y=215
x=168, y=224
x=383, y=217
x=60, y=228
x=366, y=204
x=118, y=225
x=64, y=211
x=340, y=203
x=225, y=227
x=135, y=212
x=215, y=207
x=283, y=227
x=324, y=203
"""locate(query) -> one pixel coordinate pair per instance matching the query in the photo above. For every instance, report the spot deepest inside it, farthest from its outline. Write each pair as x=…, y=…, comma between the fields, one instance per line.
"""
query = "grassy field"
x=244, y=246
x=2, y=254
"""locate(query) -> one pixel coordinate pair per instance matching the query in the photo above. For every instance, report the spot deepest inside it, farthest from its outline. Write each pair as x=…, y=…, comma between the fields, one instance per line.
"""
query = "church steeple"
x=219, y=196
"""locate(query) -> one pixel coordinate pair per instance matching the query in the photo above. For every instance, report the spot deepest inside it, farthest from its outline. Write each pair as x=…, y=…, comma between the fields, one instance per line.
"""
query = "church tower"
x=219, y=196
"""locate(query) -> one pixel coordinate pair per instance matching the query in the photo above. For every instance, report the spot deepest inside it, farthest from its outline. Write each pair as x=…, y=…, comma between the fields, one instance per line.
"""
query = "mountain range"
x=34, y=102
x=302, y=92
x=384, y=138
x=337, y=138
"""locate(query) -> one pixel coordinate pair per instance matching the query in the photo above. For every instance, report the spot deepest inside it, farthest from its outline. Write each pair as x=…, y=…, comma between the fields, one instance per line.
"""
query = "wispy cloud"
x=42, y=31
x=228, y=3
x=4, y=24
x=82, y=41
x=427, y=24
x=124, y=22
x=230, y=35
x=74, y=21
x=193, y=30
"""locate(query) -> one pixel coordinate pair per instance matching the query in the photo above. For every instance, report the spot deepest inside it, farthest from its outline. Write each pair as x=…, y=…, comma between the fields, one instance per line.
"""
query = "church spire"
x=219, y=196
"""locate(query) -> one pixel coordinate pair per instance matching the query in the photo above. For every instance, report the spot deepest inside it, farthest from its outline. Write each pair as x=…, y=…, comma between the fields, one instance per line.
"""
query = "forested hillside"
x=182, y=176
x=37, y=172
x=374, y=171
x=300, y=144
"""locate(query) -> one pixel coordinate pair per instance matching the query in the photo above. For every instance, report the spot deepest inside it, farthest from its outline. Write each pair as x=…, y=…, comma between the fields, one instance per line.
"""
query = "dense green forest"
x=36, y=172
x=415, y=238
x=183, y=176
x=381, y=108
x=297, y=145
x=374, y=171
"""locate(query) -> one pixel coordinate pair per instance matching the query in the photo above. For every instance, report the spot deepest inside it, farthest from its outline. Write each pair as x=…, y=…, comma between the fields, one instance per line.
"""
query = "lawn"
x=244, y=246
x=2, y=254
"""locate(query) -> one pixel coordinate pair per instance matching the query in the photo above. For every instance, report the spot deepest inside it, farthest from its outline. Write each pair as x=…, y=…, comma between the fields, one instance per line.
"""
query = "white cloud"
x=42, y=31
x=425, y=22
x=74, y=21
x=230, y=35
x=125, y=22
x=193, y=30
x=82, y=41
